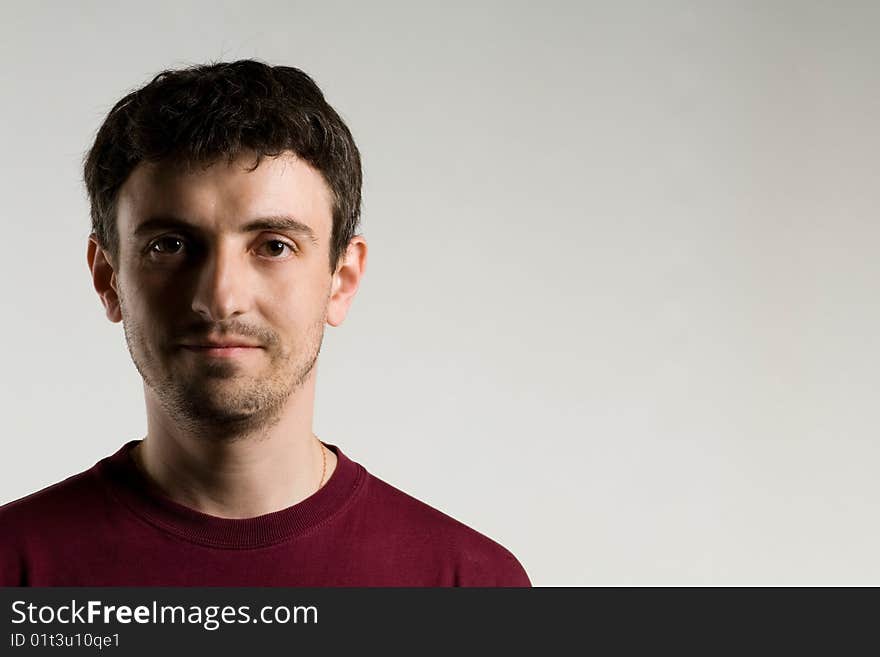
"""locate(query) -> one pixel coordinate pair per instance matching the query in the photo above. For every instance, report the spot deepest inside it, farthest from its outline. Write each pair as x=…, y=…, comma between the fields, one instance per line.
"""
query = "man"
x=225, y=201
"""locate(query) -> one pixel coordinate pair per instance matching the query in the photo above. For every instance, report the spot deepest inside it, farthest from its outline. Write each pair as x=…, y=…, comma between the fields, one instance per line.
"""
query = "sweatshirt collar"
x=129, y=486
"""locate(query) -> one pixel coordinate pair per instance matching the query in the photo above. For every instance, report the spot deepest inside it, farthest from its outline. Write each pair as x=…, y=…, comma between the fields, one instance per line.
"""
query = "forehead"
x=225, y=195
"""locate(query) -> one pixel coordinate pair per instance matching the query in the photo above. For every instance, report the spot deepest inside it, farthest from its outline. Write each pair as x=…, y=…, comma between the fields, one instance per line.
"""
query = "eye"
x=277, y=247
x=172, y=245
x=165, y=241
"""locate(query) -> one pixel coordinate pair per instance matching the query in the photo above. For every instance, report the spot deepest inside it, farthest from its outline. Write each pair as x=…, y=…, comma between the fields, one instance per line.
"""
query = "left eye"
x=277, y=247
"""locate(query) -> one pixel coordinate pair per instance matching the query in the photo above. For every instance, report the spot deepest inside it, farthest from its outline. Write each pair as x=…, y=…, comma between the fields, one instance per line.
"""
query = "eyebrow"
x=274, y=222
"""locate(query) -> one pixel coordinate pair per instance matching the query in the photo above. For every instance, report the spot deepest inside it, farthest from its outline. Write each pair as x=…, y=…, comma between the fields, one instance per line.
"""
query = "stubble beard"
x=214, y=398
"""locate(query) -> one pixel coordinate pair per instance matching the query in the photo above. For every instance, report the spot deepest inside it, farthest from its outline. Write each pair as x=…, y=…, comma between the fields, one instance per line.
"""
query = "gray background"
x=619, y=311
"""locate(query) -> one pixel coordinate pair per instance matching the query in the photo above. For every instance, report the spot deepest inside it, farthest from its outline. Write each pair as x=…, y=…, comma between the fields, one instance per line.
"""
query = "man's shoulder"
x=46, y=506
x=402, y=518
x=44, y=521
x=392, y=502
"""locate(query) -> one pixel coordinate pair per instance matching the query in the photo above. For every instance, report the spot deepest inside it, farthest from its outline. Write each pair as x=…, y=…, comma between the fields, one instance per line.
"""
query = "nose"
x=222, y=287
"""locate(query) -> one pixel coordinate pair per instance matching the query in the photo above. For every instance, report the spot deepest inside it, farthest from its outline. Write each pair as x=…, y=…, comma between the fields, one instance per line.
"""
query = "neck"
x=248, y=476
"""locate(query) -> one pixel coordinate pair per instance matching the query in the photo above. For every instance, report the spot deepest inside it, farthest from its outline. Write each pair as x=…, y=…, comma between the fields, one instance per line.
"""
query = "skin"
x=228, y=436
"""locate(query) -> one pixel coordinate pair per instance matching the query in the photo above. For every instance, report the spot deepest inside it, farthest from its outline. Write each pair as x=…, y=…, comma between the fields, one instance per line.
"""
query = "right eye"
x=167, y=245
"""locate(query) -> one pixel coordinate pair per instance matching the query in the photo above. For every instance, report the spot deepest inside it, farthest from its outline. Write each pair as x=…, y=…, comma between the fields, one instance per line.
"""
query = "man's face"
x=218, y=278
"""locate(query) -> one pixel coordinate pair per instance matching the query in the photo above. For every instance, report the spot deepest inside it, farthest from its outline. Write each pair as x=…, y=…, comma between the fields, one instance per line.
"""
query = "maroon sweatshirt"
x=108, y=526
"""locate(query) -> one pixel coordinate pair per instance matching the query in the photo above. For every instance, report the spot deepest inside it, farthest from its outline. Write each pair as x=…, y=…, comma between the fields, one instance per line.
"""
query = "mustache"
x=225, y=333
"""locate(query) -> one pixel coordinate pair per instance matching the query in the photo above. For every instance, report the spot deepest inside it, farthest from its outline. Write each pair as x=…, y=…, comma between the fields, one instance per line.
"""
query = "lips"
x=220, y=352
x=218, y=344
x=230, y=345
x=210, y=347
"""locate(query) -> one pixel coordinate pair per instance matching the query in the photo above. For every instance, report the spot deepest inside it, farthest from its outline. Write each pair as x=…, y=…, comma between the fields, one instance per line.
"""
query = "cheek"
x=159, y=296
x=291, y=308
x=143, y=313
x=294, y=326
x=145, y=317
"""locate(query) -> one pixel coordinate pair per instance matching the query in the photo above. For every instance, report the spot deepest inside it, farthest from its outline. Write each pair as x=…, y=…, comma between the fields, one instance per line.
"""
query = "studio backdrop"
x=619, y=310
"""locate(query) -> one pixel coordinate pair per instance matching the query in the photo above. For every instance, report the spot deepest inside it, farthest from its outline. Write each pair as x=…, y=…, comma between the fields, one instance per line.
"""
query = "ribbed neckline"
x=129, y=485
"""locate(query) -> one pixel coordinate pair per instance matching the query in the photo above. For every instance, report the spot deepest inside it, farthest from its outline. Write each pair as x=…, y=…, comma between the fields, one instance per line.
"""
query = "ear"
x=346, y=280
x=104, y=278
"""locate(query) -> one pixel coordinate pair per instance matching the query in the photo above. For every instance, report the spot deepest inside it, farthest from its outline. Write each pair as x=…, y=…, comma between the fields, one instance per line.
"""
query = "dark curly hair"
x=196, y=115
